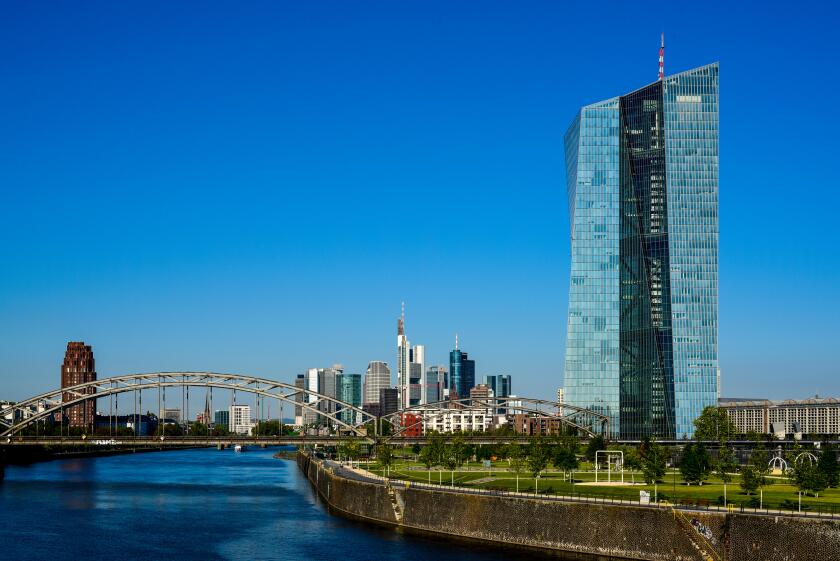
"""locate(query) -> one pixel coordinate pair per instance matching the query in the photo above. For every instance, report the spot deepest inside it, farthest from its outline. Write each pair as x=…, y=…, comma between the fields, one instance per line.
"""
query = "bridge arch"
x=115, y=385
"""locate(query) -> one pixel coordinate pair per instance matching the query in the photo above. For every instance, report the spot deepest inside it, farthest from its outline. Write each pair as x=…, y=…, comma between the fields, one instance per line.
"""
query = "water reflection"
x=192, y=504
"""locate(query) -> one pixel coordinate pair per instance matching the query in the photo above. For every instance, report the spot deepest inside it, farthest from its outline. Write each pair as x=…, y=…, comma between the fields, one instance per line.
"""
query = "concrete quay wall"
x=573, y=530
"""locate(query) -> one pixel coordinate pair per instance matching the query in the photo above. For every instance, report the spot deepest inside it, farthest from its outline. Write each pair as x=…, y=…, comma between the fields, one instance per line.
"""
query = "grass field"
x=778, y=494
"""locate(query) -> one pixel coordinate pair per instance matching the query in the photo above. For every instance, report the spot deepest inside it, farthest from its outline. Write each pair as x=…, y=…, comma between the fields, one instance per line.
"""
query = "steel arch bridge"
x=586, y=421
x=137, y=383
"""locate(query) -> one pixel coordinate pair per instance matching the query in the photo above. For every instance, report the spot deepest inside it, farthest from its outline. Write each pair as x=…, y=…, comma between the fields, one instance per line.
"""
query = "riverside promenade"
x=570, y=527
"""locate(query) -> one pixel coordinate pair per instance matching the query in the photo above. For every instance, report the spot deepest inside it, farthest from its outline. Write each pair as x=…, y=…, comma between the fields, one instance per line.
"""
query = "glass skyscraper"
x=349, y=390
x=642, y=180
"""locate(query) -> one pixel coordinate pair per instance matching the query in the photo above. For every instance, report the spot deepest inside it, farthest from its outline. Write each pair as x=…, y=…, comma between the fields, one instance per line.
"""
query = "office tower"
x=403, y=358
x=409, y=378
x=377, y=376
x=310, y=416
x=642, y=179
x=221, y=418
x=500, y=384
x=349, y=390
x=300, y=384
x=436, y=377
x=417, y=375
x=240, y=419
x=78, y=368
x=388, y=401
x=461, y=372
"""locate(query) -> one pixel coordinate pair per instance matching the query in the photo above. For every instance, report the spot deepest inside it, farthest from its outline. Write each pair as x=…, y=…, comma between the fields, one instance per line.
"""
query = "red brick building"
x=78, y=367
x=413, y=424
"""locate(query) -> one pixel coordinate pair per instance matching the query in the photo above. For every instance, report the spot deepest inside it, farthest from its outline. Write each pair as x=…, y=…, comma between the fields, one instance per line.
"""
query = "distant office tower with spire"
x=78, y=367
x=642, y=179
x=461, y=372
x=411, y=364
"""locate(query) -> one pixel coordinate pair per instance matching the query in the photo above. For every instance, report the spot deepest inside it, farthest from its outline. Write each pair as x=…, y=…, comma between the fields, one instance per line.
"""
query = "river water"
x=190, y=505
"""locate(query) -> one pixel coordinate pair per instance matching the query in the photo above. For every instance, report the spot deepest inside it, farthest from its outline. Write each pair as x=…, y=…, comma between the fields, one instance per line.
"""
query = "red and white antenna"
x=662, y=58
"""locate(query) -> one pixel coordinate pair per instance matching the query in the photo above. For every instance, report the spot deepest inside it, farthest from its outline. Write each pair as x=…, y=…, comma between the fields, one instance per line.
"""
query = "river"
x=190, y=505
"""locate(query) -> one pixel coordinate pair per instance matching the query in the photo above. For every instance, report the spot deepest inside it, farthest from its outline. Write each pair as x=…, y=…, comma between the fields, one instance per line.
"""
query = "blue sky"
x=255, y=187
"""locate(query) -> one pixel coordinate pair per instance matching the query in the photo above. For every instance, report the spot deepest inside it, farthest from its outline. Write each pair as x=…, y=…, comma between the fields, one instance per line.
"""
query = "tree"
x=828, y=466
x=714, y=424
x=632, y=461
x=385, y=455
x=725, y=464
x=565, y=459
x=749, y=479
x=596, y=443
x=695, y=464
x=517, y=460
x=427, y=458
x=459, y=451
x=198, y=429
x=538, y=454
x=760, y=459
x=267, y=428
x=653, y=460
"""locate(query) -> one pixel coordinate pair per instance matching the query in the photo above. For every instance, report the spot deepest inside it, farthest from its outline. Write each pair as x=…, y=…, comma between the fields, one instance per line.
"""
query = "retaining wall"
x=579, y=530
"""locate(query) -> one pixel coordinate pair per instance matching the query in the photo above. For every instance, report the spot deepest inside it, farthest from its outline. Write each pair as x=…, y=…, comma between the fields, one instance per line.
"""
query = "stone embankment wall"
x=580, y=530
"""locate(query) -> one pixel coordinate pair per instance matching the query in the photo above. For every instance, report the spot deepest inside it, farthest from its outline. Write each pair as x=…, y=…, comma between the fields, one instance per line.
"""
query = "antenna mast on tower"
x=662, y=58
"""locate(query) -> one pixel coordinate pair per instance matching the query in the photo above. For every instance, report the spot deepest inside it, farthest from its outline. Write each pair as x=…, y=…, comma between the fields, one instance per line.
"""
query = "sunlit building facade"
x=642, y=181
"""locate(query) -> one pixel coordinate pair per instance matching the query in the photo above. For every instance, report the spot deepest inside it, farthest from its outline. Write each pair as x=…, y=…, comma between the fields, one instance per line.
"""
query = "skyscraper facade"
x=410, y=367
x=349, y=390
x=642, y=180
x=436, y=377
x=377, y=377
x=78, y=368
x=461, y=372
x=500, y=384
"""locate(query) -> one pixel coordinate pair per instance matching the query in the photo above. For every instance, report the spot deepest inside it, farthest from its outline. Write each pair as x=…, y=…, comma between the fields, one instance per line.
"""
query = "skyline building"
x=461, y=372
x=79, y=367
x=389, y=401
x=300, y=382
x=410, y=367
x=349, y=390
x=436, y=377
x=642, y=180
x=500, y=384
x=377, y=377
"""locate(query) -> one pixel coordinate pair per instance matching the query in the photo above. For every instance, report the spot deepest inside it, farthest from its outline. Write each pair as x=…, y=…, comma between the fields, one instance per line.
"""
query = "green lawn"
x=673, y=488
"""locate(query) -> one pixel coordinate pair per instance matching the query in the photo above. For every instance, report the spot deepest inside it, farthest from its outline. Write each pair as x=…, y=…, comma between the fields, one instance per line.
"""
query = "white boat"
x=238, y=448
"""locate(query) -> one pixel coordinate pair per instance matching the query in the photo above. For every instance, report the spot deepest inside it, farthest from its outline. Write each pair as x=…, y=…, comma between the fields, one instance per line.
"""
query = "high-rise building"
x=417, y=375
x=300, y=384
x=78, y=368
x=410, y=367
x=461, y=372
x=310, y=377
x=349, y=390
x=377, y=377
x=240, y=419
x=389, y=401
x=436, y=377
x=642, y=178
x=500, y=384
x=403, y=358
